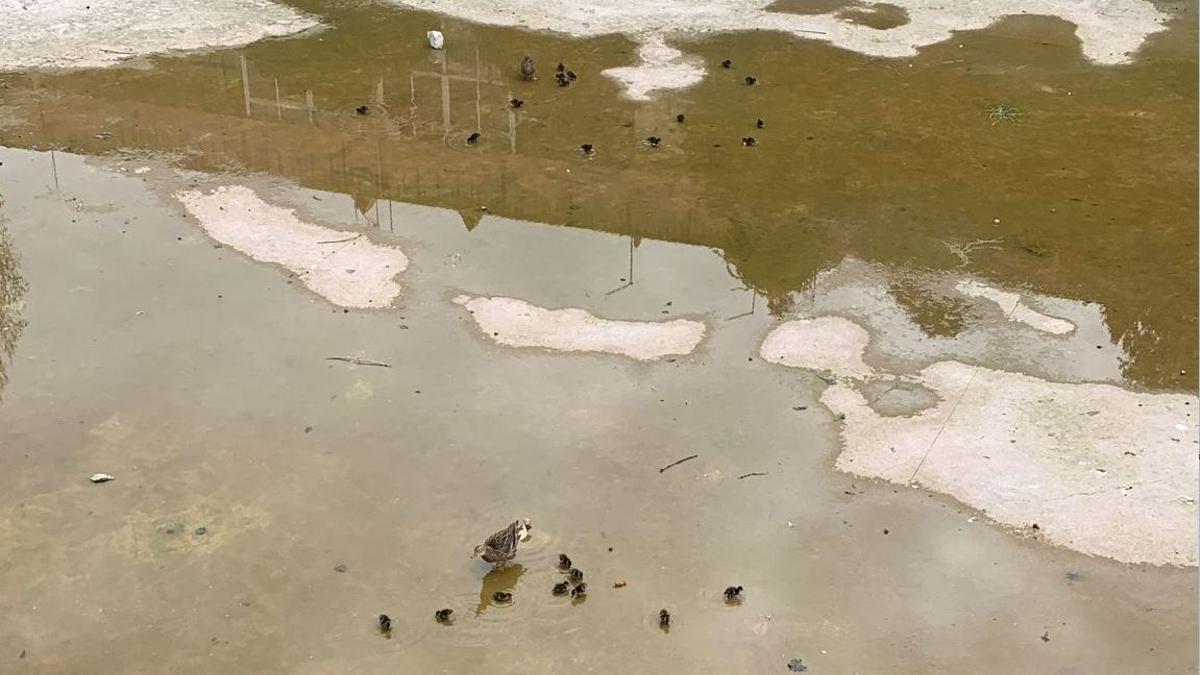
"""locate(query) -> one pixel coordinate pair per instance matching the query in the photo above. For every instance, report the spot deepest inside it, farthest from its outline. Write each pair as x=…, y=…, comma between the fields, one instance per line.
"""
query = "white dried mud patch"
x=97, y=33
x=516, y=323
x=1016, y=310
x=1109, y=30
x=826, y=343
x=1099, y=469
x=345, y=268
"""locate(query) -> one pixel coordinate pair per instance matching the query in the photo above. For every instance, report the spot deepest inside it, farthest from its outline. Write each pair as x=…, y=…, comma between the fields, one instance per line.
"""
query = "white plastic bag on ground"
x=435, y=39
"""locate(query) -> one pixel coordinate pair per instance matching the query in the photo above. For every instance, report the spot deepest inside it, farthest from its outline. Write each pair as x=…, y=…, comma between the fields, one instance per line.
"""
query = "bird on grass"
x=527, y=69
x=501, y=547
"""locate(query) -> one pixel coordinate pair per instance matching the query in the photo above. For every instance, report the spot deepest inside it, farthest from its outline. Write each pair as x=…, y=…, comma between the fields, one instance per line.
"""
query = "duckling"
x=750, y=79
x=527, y=69
x=561, y=588
x=443, y=615
x=561, y=68
x=748, y=141
x=733, y=594
x=664, y=618
x=653, y=141
x=516, y=103
x=385, y=623
x=502, y=597
x=562, y=80
x=502, y=546
x=576, y=576
x=361, y=110
x=474, y=138
x=564, y=563
x=579, y=591
x=679, y=118
x=571, y=75
x=760, y=124
x=727, y=63
x=586, y=148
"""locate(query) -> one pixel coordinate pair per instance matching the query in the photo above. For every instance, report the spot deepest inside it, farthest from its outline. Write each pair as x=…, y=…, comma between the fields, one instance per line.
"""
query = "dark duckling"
x=586, y=148
x=750, y=79
x=733, y=594
x=561, y=588
x=385, y=623
x=502, y=597
x=664, y=618
x=748, y=141
x=527, y=69
x=564, y=563
x=727, y=63
x=516, y=103
x=579, y=591
x=571, y=75
x=679, y=118
x=653, y=141
x=443, y=615
x=474, y=138
x=760, y=124
x=576, y=576
x=561, y=68
x=562, y=80
x=361, y=110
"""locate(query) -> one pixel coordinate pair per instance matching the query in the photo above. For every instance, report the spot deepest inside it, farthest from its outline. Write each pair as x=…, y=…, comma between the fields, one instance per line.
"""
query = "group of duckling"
x=564, y=77
x=501, y=547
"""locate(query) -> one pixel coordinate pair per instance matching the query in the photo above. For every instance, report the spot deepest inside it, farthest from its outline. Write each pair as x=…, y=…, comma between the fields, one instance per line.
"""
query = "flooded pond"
x=926, y=322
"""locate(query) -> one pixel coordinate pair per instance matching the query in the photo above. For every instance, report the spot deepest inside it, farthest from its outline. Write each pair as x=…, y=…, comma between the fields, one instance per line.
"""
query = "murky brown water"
x=1093, y=185
x=198, y=376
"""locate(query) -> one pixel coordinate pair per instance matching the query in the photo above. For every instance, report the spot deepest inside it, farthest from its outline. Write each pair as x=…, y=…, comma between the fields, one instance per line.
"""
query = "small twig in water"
x=678, y=462
x=341, y=241
x=752, y=473
x=358, y=362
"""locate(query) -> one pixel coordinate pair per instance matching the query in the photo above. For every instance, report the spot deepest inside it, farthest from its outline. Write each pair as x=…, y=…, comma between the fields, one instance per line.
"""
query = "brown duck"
x=501, y=547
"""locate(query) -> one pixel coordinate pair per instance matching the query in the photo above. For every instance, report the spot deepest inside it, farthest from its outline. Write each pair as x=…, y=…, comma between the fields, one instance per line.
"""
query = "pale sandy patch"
x=1098, y=468
x=827, y=343
x=343, y=267
x=516, y=323
x=1013, y=308
x=96, y=33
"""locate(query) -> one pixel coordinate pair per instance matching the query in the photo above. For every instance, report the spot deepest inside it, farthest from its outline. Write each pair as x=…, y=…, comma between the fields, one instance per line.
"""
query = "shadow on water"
x=1089, y=194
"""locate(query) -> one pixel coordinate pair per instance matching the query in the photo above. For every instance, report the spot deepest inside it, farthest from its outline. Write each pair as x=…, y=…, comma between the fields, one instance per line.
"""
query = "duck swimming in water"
x=443, y=615
x=653, y=141
x=579, y=591
x=750, y=79
x=516, y=103
x=385, y=623
x=527, y=69
x=727, y=63
x=576, y=576
x=664, y=618
x=561, y=588
x=502, y=546
x=474, y=138
x=503, y=597
x=733, y=594
x=564, y=563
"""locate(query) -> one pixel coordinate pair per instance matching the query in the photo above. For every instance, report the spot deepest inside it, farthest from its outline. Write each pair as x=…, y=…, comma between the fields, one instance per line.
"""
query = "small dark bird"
x=750, y=79
x=571, y=75
x=653, y=141
x=474, y=138
x=502, y=546
x=385, y=623
x=760, y=124
x=679, y=118
x=527, y=68
x=561, y=68
x=576, y=576
x=443, y=615
x=748, y=141
x=564, y=82
x=502, y=596
x=733, y=594
x=727, y=63
x=664, y=618
x=586, y=148
x=516, y=103
x=361, y=110
x=579, y=591
x=561, y=588
x=564, y=563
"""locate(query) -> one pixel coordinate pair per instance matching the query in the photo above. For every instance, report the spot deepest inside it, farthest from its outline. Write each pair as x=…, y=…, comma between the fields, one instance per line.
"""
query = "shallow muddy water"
x=270, y=503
